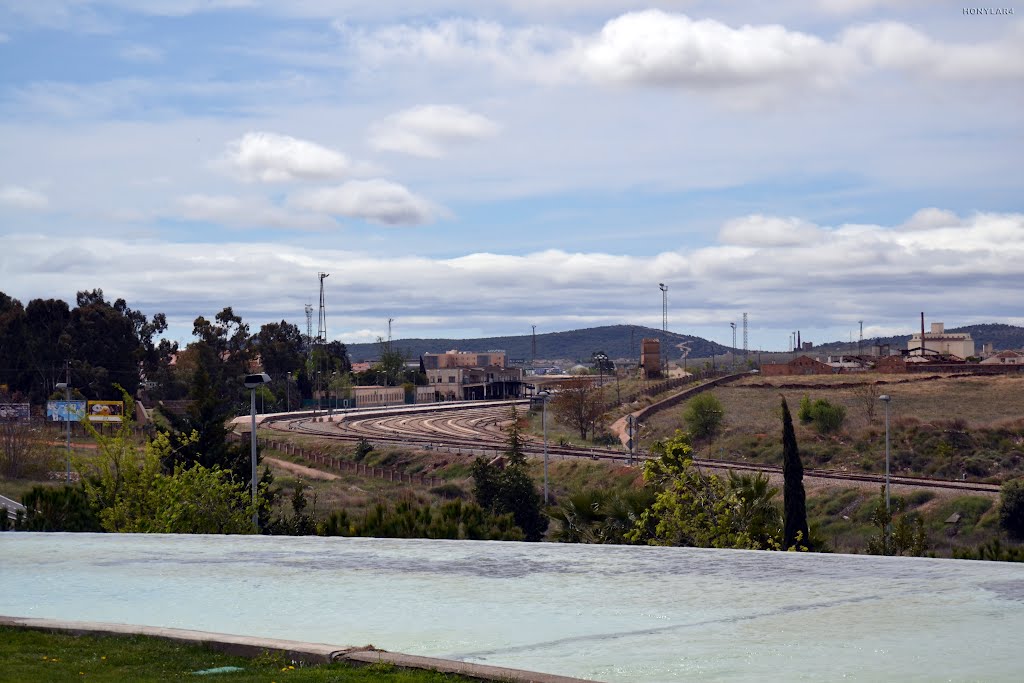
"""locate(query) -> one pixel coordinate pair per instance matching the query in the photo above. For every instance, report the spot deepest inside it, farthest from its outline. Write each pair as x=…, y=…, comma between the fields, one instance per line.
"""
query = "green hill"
x=618, y=341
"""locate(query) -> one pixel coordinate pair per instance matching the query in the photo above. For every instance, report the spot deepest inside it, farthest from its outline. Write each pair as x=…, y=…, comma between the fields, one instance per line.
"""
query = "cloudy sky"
x=472, y=169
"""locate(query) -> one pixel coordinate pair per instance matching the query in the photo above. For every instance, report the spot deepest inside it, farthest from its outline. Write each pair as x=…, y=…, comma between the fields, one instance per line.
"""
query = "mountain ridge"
x=623, y=342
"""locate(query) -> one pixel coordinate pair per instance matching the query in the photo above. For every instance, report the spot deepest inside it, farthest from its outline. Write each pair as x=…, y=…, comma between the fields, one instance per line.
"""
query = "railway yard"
x=474, y=429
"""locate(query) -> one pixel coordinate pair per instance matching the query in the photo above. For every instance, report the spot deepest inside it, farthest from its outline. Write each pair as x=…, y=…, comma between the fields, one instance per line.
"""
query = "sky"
x=474, y=169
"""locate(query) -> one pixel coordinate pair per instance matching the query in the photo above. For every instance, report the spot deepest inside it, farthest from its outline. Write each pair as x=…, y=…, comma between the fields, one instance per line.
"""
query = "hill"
x=618, y=341
x=1001, y=337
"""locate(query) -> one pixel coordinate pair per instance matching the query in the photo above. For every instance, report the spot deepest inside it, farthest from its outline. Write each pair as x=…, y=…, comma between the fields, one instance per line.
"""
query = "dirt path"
x=300, y=470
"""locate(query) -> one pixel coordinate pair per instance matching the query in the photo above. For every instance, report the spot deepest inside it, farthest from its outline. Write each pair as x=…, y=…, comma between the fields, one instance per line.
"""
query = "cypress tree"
x=794, y=501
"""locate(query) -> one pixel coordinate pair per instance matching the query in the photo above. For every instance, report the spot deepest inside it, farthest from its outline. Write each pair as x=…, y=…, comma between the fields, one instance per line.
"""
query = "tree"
x=511, y=490
x=58, y=509
x=133, y=495
x=795, y=531
x=905, y=537
x=703, y=415
x=600, y=515
x=1011, y=508
x=202, y=435
x=578, y=404
x=695, y=509
x=391, y=363
x=406, y=519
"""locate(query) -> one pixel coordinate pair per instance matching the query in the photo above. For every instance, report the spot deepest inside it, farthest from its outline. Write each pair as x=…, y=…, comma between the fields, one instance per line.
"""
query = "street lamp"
x=252, y=382
x=886, y=398
x=543, y=394
x=67, y=418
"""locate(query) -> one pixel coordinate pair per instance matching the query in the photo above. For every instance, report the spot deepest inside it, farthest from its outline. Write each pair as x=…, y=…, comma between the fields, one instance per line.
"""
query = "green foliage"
x=696, y=509
x=449, y=491
x=703, y=415
x=133, y=494
x=794, y=503
x=806, y=412
x=600, y=515
x=201, y=435
x=301, y=522
x=902, y=536
x=65, y=508
x=363, y=449
x=827, y=417
x=993, y=551
x=1011, y=508
x=451, y=520
x=511, y=490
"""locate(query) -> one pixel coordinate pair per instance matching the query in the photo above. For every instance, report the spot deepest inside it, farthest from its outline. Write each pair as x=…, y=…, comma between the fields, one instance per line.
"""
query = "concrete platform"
x=296, y=651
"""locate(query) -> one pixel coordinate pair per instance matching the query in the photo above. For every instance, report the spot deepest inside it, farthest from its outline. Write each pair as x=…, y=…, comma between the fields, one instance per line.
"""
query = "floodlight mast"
x=253, y=382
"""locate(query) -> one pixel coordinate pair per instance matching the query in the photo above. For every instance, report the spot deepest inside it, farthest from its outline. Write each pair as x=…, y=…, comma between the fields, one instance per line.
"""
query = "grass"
x=946, y=427
x=30, y=656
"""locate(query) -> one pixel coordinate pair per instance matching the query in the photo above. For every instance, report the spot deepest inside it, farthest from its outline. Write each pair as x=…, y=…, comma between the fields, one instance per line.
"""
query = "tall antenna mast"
x=390, y=320
x=321, y=332
x=309, y=327
x=533, y=348
x=744, y=335
x=733, y=326
x=860, y=339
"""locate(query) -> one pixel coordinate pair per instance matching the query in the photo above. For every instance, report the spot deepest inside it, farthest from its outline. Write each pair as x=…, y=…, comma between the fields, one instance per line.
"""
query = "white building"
x=957, y=344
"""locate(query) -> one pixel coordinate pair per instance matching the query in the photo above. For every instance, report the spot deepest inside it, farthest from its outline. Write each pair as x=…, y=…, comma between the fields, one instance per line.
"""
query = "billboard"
x=65, y=411
x=105, y=411
x=14, y=411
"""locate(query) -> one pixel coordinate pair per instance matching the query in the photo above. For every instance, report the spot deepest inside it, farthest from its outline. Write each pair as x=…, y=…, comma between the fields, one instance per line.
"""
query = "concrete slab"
x=296, y=651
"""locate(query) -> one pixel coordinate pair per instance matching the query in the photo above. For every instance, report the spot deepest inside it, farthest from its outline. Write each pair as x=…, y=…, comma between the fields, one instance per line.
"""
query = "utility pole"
x=533, y=347
x=321, y=338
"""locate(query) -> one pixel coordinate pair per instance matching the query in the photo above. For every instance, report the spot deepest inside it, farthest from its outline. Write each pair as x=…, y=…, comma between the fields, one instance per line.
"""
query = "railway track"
x=479, y=428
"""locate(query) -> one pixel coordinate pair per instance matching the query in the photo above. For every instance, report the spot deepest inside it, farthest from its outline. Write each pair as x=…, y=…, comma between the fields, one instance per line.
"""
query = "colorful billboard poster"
x=105, y=411
x=14, y=411
x=64, y=411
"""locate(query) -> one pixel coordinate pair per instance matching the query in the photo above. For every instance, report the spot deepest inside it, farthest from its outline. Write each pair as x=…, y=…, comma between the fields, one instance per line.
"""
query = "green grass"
x=27, y=656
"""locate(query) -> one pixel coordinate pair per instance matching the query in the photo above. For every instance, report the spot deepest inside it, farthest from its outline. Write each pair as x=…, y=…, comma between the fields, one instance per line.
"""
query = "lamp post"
x=67, y=419
x=543, y=395
x=288, y=392
x=886, y=398
x=252, y=382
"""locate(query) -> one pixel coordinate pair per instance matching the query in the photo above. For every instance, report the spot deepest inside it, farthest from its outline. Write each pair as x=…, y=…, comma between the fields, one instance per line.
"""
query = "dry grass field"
x=944, y=426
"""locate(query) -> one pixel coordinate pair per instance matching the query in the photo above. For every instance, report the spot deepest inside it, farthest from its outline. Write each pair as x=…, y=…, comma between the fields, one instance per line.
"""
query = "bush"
x=827, y=417
x=704, y=415
x=805, y=413
x=1011, y=508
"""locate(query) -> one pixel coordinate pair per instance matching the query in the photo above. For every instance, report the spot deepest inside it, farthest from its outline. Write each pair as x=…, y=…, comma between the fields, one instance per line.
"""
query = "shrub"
x=704, y=415
x=827, y=417
x=363, y=448
x=805, y=413
x=1011, y=508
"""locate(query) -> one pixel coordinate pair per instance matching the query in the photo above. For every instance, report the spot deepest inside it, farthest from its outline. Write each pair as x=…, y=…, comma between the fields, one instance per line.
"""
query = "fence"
x=341, y=465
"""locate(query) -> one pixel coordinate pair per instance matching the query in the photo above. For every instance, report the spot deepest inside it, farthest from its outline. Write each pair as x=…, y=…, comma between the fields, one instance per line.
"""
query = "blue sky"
x=472, y=169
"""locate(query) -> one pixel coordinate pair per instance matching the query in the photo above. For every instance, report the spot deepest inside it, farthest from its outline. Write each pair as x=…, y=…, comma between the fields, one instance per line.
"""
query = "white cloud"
x=142, y=53
x=247, y=212
x=897, y=46
x=768, y=231
x=880, y=274
x=931, y=218
x=377, y=201
x=658, y=48
x=273, y=158
x=426, y=130
x=23, y=198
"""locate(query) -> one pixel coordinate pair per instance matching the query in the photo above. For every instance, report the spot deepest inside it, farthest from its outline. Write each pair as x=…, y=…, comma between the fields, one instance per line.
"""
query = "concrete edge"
x=297, y=651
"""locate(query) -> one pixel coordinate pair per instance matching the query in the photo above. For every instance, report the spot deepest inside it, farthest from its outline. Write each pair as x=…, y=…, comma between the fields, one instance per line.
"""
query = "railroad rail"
x=478, y=429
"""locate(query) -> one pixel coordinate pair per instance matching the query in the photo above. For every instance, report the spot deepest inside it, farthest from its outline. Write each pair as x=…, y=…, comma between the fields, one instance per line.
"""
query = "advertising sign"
x=14, y=411
x=105, y=411
x=65, y=411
